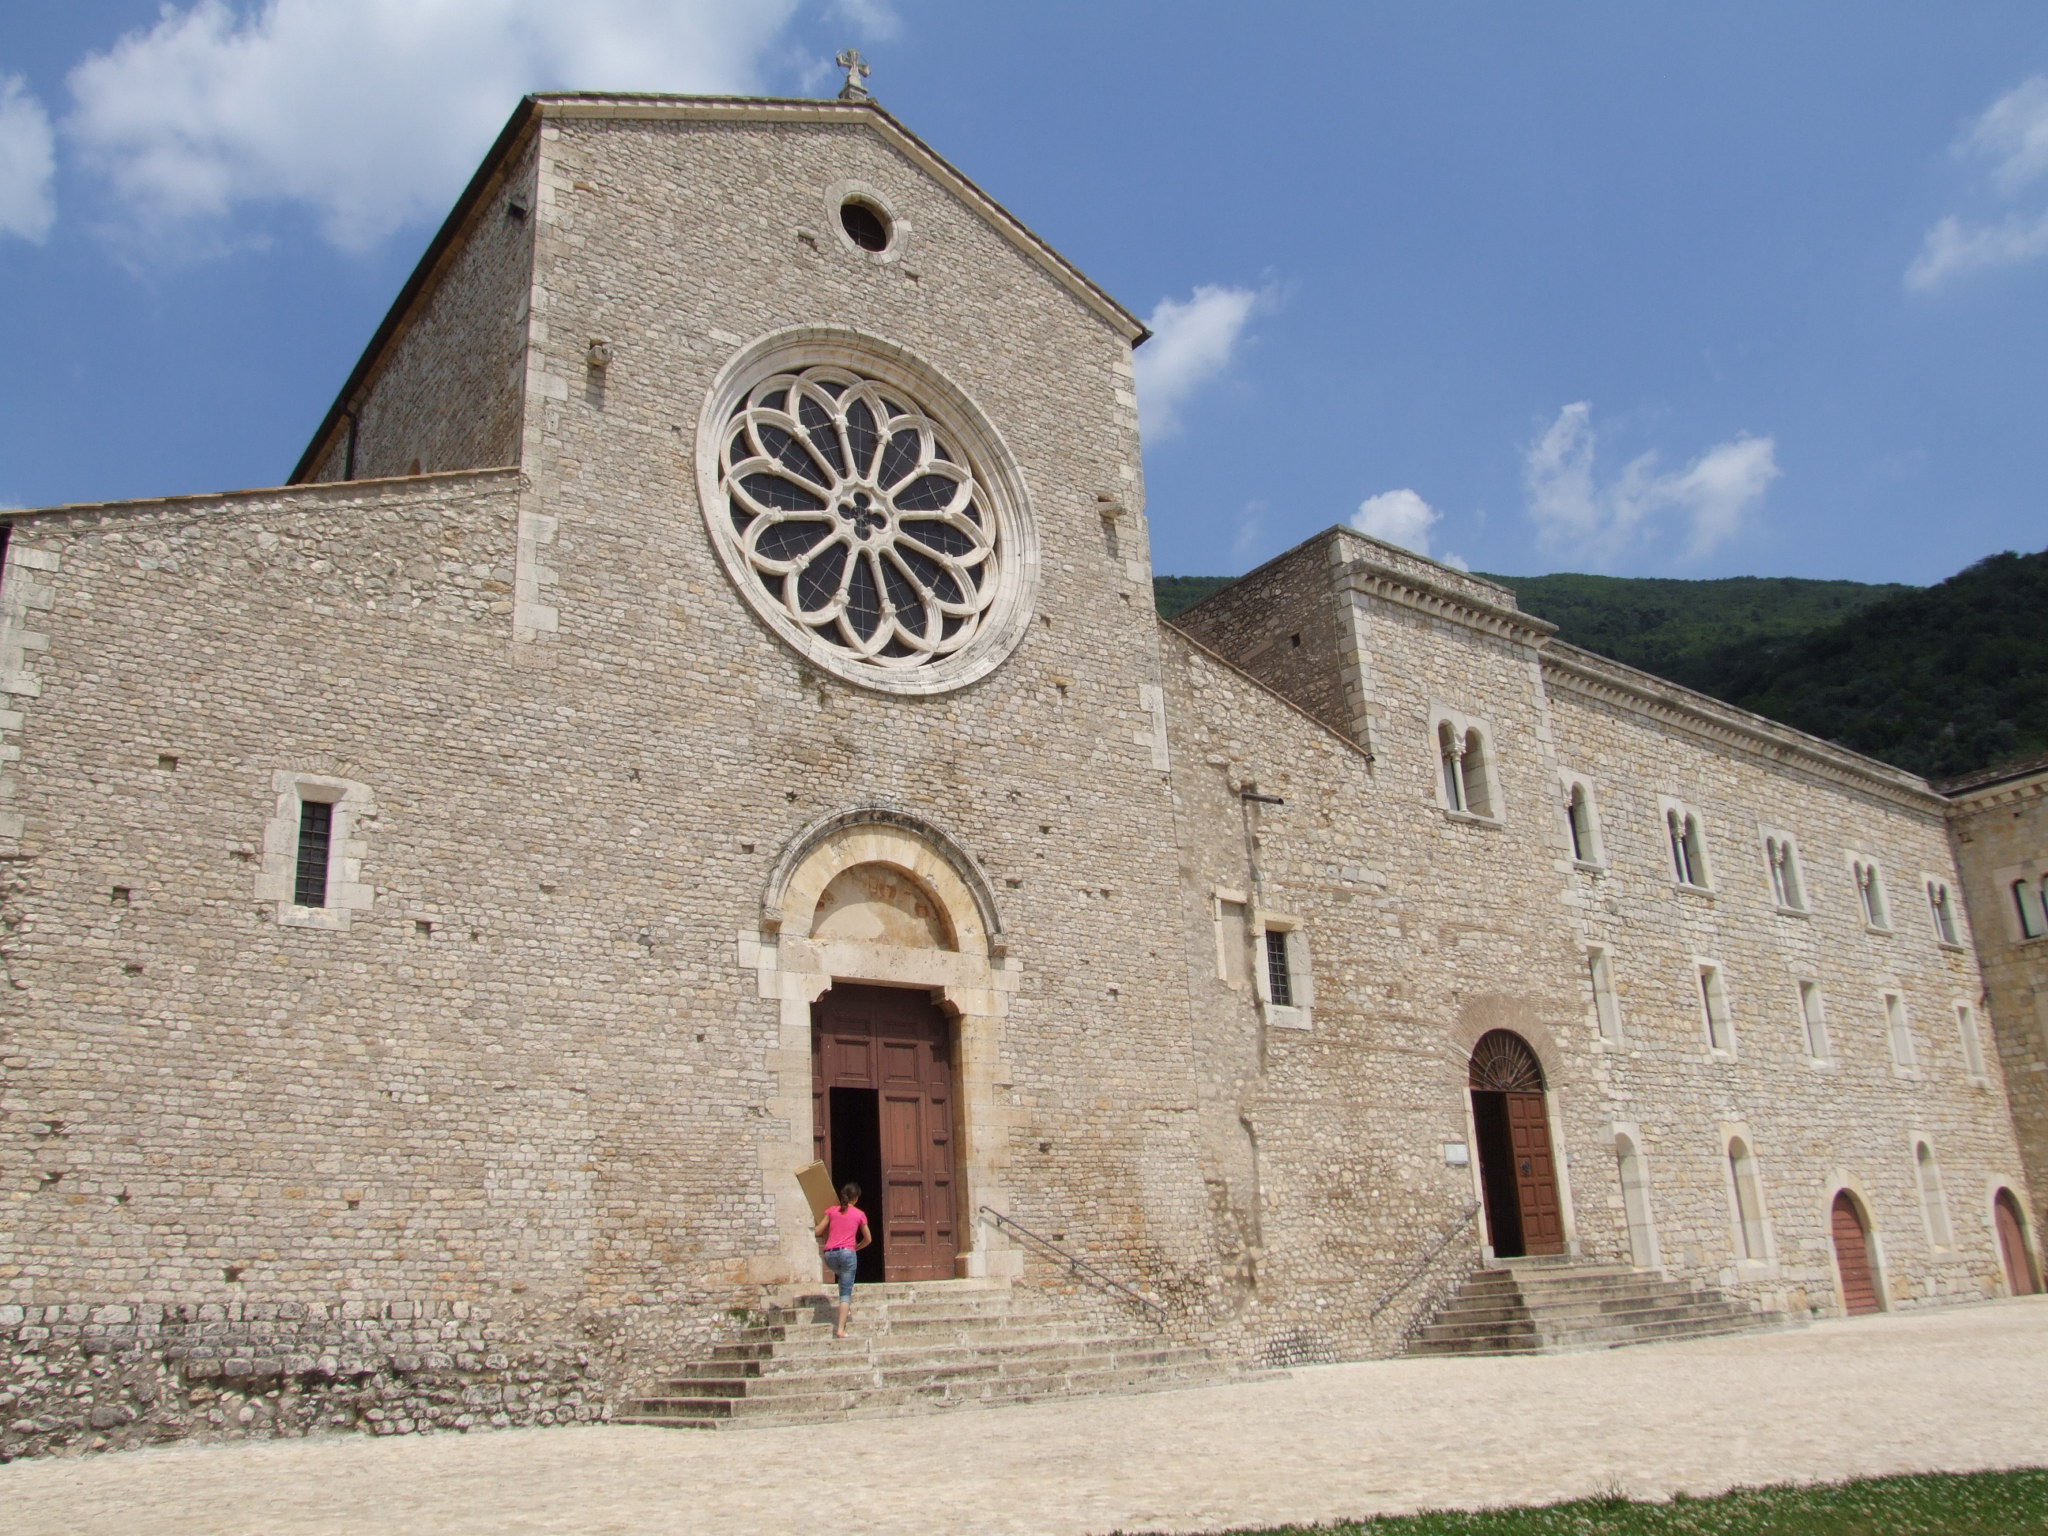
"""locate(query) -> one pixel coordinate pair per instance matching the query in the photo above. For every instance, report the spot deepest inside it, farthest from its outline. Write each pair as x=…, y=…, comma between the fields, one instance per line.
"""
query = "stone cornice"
x=1595, y=676
x=749, y=109
x=88, y=512
x=2028, y=782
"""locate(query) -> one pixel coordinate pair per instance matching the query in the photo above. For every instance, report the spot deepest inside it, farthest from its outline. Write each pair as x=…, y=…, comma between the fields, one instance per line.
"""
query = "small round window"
x=865, y=225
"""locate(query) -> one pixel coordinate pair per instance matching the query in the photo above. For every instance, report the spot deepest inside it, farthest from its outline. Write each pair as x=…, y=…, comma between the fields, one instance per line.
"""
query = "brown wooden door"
x=1535, y=1174
x=1852, y=1258
x=896, y=1046
x=2012, y=1246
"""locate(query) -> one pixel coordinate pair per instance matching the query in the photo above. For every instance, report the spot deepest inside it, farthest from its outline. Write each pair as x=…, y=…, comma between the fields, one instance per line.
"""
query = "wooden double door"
x=1518, y=1173
x=882, y=1117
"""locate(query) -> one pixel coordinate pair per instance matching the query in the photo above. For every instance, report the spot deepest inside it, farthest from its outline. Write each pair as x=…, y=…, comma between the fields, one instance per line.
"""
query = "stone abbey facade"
x=698, y=706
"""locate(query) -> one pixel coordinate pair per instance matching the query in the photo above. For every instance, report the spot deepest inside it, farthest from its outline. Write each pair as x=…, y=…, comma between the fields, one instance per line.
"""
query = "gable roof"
x=570, y=105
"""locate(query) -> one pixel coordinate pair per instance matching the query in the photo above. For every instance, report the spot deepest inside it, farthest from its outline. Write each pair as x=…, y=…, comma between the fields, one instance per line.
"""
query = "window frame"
x=1943, y=914
x=1753, y=1240
x=1898, y=1030
x=1690, y=867
x=1469, y=735
x=353, y=807
x=1813, y=1021
x=1299, y=1013
x=1934, y=1212
x=1971, y=1039
x=1710, y=983
x=1873, y=900
x=1770, y=838
x=1590, y=851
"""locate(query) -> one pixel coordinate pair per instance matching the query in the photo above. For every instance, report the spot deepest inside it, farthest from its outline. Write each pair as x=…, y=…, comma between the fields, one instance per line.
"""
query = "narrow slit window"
x=1579, y=816
x=1898, y=1029
x=316, y=840
x=1813, y=1017
x=1279, y=978
x=1688, y=857
x=1714, y=1006
x=1973, y=1046
x=1941, y=907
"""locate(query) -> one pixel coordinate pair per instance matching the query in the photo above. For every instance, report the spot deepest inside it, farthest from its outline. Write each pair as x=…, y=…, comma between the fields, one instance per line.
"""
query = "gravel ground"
x=1960, y=1389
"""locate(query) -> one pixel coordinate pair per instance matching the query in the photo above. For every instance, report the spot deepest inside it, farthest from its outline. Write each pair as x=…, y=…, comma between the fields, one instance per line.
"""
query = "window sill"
x=1589, y=867
x=1951, y=948
x=1905, y=1074
x=1793, y=911
x=1715, y=1053
x=1757, y=1269
x=1820, y=1063
x=1877, y=928
x=1470, y=818
x=1277, y=1017
x=1704, y=892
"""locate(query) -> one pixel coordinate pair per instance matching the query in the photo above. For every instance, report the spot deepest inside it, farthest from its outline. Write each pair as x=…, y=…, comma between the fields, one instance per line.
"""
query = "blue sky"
x=1648, y=289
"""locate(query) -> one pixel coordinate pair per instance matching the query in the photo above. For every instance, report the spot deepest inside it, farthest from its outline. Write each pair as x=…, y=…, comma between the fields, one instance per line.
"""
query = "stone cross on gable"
x=857, y=70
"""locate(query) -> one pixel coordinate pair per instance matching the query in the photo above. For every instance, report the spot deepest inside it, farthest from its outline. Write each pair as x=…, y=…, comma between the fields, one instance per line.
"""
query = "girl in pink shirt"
x=844, y=1227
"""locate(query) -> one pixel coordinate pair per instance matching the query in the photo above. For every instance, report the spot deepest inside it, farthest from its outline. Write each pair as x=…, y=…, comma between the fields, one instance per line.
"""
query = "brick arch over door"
x=1517, y=1163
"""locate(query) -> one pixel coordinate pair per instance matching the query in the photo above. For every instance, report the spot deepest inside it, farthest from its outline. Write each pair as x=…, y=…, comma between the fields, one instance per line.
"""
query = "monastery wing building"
x=698, y=708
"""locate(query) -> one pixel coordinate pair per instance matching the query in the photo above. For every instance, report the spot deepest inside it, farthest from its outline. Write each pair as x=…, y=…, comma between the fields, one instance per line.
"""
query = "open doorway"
x=856, y=1144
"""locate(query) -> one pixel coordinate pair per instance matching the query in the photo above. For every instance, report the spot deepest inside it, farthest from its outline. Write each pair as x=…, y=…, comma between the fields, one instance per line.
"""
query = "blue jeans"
x=844, y=1263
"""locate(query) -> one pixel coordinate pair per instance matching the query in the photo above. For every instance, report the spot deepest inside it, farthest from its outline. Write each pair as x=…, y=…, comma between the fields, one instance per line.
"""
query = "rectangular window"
x=1233, y=941
x=1812, y=1016
x=2031, y=926
x=1973, y=1047
x=1279, y=980
x=316, y=838
x=1714, y=1006
x=1605, y=1003
x=1900, y=1032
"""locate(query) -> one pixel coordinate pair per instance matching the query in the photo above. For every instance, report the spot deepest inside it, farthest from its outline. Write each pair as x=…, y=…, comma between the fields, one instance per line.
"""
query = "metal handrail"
x=1081, y=1267
x=1415, y=1271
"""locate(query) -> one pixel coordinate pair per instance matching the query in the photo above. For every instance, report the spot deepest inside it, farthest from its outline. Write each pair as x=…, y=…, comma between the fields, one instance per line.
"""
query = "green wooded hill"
x=1940, y=680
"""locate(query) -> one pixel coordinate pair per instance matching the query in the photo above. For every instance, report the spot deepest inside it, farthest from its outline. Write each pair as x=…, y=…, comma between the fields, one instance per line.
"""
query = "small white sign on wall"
x=1457, y=1154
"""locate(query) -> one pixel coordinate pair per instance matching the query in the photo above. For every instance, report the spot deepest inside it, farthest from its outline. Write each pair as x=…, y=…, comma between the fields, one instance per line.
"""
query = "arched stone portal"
x=2015, y=1253
x=1517, y=1168
x=879, y=898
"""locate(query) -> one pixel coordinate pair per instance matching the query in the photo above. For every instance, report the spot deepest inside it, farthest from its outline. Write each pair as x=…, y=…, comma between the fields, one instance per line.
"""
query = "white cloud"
x=871, y=18
x=1403, y=518
x=1953, y=248
x=2013, y=134
x=1573, y=510
x=372, y=112
x=28, y=163
x=1192, y=342
x=2012, y=138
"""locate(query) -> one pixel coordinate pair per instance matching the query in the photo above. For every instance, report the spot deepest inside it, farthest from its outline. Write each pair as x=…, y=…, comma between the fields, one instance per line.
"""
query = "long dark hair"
x=849, y=1195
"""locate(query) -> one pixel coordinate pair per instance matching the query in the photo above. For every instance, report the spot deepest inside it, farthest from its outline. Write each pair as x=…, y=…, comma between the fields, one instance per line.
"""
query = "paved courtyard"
x=1958, y=1389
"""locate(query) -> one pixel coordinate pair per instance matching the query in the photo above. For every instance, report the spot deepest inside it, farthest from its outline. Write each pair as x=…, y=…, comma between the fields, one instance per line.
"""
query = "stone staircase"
x=914, y=1348
x=1551, y=1305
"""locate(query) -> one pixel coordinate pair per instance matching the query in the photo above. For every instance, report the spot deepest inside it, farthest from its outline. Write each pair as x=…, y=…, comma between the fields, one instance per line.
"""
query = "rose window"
x=858, y=517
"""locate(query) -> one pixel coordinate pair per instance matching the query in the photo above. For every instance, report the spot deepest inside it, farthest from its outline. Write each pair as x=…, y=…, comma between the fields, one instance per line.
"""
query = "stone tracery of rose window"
x=857, y=516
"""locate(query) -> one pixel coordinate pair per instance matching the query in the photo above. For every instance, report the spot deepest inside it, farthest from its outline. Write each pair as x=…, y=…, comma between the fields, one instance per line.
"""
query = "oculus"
x=850, y=511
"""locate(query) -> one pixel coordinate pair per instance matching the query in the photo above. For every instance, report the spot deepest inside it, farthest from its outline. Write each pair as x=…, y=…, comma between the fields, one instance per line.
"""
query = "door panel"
x=2012, y=1248
x=1852, y=1257
x=897, y=1042
x=1535, y=1174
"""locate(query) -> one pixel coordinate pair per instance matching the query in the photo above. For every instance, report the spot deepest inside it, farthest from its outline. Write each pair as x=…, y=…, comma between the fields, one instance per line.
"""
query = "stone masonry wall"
x=1814, y=1127
x=2000, y=834
x=449, y=390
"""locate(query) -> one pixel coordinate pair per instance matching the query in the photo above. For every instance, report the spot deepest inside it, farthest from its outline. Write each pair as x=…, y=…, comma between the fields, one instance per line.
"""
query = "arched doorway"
x=2013, y=1250
x=1517, y=1170
x=1852, y=1257
x=882, y=1117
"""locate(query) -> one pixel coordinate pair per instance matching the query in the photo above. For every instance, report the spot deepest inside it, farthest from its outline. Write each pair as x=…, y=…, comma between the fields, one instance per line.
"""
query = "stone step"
x=882, y=1357
x=967, y=1368
x=1553, y=1305
x=822, y=1407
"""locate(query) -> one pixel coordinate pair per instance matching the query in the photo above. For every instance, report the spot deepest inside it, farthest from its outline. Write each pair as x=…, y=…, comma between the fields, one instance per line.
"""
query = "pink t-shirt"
x=842, y=1225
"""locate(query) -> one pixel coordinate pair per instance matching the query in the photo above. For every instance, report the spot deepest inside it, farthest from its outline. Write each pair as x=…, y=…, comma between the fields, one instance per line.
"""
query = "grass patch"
x=1933, y=1504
